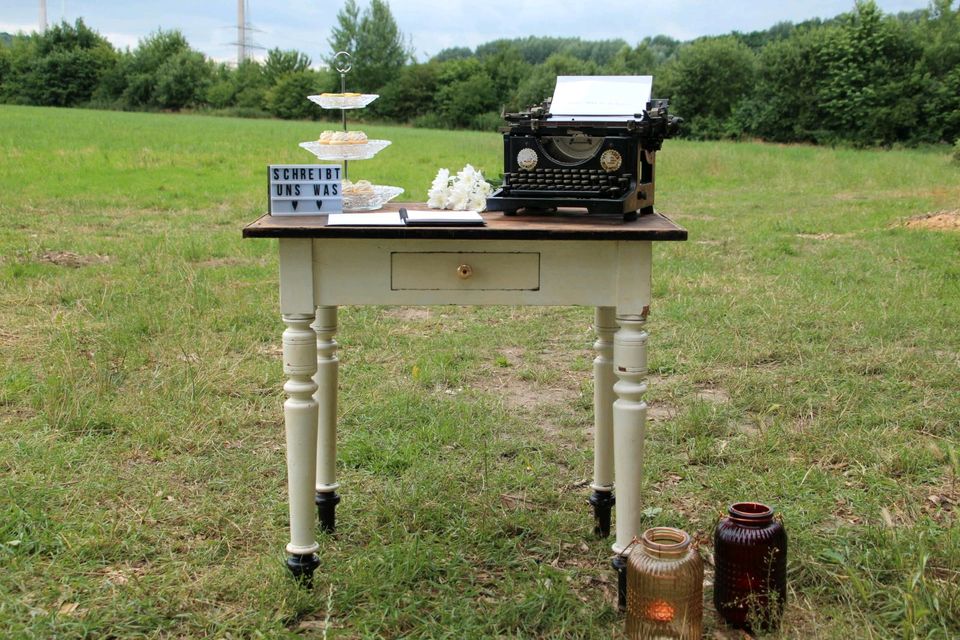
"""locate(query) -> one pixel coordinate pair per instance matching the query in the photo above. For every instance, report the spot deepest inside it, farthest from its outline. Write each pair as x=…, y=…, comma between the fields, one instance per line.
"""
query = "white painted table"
x=513, y=260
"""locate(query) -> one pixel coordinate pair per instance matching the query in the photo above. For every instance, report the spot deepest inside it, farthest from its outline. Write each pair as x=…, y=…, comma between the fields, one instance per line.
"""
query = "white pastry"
x=358, y=188
x=343, y=137
x=356, y=137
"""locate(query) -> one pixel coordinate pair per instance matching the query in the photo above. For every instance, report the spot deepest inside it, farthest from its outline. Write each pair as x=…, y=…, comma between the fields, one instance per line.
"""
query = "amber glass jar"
x=664, y=587
x=750, y=549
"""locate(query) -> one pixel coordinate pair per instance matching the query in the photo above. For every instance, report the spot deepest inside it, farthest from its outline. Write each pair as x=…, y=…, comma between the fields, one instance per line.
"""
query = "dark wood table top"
x=566, y=224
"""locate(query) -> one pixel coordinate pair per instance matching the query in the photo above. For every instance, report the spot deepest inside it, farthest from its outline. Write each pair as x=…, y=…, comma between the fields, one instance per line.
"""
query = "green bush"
x=430, y=120
x=460, y=99
x=489, y=121
x=238, y=112
x=706, y=83
x=287, y=99
x=412, y=92
x=61, y=67
x=182, y=80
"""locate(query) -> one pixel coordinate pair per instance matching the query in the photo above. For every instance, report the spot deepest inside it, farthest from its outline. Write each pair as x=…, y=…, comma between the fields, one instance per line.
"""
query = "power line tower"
x=43, y=15
x=241, y=31
x=244, y=43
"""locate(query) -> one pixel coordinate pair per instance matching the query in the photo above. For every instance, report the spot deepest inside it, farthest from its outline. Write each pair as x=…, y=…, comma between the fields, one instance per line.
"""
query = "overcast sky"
x=432, y=25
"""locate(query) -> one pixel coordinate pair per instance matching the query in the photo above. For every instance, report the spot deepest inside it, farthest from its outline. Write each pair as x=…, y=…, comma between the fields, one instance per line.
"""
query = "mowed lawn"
x=804, y=352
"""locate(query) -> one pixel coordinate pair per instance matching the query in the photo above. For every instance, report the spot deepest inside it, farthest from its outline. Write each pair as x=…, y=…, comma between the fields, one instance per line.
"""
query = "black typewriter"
x=602, y=164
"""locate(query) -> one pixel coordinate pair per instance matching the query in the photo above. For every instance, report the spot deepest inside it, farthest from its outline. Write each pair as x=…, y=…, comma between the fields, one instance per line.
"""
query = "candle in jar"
x=664, y=587
x=660, y=611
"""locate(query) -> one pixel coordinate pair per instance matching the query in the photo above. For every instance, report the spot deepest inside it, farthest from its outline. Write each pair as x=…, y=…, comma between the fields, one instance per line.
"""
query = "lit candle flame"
x=660, y=611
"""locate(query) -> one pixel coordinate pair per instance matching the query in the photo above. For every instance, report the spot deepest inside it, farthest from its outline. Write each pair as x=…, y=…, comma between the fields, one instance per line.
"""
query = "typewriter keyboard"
x=590, y=183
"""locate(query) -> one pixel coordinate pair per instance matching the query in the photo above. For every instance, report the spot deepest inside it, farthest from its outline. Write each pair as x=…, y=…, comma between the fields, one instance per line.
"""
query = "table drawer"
x=480, y=270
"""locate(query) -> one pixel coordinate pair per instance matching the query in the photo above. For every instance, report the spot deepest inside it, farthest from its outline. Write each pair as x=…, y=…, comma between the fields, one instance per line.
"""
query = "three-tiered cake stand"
x=376, y=195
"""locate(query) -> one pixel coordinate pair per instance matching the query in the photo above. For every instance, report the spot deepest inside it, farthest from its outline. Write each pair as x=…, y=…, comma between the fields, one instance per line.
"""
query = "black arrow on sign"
x=294, y=203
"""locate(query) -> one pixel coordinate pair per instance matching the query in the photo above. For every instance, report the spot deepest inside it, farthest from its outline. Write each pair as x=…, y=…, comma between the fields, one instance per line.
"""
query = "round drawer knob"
x=464, y=271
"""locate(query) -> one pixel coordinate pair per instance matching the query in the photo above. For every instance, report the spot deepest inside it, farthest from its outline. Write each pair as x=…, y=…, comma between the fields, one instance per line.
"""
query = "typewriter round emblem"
x=610, y=160
x=527, y=159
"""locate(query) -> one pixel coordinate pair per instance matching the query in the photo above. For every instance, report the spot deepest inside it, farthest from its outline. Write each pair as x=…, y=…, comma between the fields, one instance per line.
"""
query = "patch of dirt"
x=660, y=412
x=15, y=413
x=942, y=503
x=667, y=481
x=937, y=221
x=691, y=216
x=843, y=514
x=514, y=355
x=316, y=624
x=514, y=502
x=525, y=396
x=846, y=196
x=714, y=395
x=518, y=394
x=747, y=428
x=730, y=634
x=71, y=259
x=121, y=575
x=528, y=397
x=223, y=262
x=823, y=236
x=136, y=458
x=272, y=349
x=746, y=424
x=409, y=314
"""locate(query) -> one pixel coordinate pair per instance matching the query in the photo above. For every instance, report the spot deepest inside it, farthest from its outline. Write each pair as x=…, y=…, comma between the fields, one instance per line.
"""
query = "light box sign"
x=304, y=189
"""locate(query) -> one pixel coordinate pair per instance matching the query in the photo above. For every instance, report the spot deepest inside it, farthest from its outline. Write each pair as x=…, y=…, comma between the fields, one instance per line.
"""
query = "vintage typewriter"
x=586, y=154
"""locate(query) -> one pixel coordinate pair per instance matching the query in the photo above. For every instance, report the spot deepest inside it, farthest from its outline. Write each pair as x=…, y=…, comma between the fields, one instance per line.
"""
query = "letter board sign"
x=304, y=189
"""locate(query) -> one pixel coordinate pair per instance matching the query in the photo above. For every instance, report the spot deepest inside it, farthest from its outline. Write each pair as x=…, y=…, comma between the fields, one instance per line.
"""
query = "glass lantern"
x=750, y=585
x=664, y=587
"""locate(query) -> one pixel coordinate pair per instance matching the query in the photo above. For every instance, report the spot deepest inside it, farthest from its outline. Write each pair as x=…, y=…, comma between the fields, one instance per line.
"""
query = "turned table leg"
x=300, y=416
x=605, y=325
x=629, y=416
x=326, y=497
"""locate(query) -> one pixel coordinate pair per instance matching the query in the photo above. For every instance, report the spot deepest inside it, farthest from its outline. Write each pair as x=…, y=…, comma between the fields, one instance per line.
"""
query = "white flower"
x=459, y=195
x=477, y=202
x=439, y=190
x=466, y=190
x=468, y=174
x=437, y=198
x=442, y=180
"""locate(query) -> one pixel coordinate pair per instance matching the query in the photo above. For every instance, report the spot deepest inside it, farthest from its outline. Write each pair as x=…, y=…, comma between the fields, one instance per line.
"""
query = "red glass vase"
x=750, y=552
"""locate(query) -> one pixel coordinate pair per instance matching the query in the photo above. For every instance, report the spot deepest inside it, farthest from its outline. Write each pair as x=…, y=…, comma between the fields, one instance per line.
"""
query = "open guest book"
x=406, y=217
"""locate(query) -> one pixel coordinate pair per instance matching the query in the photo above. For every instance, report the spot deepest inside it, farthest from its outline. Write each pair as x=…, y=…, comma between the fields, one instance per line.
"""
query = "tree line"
x=862, y=78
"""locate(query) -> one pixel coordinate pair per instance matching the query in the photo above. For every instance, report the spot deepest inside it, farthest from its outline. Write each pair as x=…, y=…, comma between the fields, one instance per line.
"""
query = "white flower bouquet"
x=466, y=190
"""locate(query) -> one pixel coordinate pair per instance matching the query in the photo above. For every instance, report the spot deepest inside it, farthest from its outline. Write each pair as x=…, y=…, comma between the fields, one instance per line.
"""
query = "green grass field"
x=804, y=352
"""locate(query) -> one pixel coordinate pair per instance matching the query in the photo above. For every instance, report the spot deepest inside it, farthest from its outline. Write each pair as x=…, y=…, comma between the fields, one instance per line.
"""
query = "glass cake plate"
x=346, y=151
x=333, y=101
x=382, y=194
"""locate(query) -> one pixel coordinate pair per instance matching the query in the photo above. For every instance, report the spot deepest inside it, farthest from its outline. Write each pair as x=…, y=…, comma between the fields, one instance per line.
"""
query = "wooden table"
x=567, y=258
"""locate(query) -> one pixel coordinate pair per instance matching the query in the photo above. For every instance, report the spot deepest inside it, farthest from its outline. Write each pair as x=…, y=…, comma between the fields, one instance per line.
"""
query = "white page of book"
x=375, y=219
x=453, y=217
x=580, y=97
